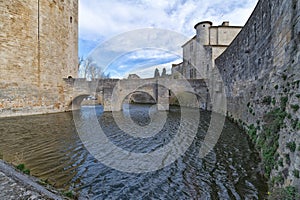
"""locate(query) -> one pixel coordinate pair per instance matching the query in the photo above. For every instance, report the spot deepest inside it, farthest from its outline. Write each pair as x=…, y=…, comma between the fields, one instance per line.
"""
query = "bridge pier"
x=162, y=100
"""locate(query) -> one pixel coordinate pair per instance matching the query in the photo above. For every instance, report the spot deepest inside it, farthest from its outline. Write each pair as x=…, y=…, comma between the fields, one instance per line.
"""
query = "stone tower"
x=38, y=48
x=202, y=32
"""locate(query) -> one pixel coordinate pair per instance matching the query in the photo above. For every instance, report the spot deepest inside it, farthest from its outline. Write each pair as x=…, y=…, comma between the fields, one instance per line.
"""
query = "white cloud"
x=105, y=20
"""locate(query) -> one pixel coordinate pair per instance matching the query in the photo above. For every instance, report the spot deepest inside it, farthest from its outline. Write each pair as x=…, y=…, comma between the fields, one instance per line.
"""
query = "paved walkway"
x=15, y=185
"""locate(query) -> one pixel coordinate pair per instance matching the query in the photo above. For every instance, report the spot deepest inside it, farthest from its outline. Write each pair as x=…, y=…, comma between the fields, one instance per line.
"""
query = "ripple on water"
x=50, y=147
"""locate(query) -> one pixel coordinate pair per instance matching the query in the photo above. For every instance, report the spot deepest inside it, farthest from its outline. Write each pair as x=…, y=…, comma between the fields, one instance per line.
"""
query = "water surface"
x=51, y=148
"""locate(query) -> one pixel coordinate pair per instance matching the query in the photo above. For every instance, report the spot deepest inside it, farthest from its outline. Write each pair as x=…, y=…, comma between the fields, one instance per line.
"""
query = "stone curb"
x=28, y=182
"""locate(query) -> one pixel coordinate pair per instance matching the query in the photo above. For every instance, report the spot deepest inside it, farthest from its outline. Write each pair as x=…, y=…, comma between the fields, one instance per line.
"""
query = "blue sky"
x=103, y=20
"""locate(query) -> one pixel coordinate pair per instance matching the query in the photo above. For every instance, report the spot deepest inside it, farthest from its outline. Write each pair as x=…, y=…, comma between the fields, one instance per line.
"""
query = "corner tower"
x=202, y=30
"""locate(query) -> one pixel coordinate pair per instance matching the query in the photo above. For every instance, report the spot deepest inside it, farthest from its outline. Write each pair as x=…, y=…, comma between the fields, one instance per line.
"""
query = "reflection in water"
x=50, y=147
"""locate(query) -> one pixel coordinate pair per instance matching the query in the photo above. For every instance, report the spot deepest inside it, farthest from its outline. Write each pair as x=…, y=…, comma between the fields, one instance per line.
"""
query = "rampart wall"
x=261, y=74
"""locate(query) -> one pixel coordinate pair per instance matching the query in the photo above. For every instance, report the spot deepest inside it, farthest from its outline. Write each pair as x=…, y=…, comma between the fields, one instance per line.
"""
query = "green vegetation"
x=252, y=132
x=251, y=110
x=277, y=180
x=296, y=173
x=288, y=193
x=273, y=101
x=295, y=107
x=267, y=100
x=70, y=194
x=284, y=77
x=276, y=87
x=280, y=162
x=43, y=182
x=295, y=123
x=267, y=141
x=22, y=168
x=296, y=83
x=298, y=96
x=283, y=102
x=248, y=104
x=287, y=159
x=291, y=146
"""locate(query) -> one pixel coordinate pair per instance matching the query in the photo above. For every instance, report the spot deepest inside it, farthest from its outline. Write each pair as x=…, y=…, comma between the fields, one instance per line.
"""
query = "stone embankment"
x=14, y=185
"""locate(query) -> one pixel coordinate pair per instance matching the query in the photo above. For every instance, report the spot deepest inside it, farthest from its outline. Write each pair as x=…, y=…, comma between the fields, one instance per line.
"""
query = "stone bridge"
x=163, y=91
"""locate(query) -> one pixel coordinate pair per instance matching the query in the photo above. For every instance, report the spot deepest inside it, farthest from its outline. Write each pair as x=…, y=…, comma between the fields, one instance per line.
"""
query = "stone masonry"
x=200, y=52
x=38, y=45
x=261, y=73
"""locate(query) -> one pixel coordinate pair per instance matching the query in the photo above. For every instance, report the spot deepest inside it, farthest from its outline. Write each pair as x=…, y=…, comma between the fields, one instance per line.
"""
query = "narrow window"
x=71, y=20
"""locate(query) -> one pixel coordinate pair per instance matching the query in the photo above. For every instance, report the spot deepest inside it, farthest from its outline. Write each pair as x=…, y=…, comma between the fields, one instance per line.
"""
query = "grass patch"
x=22, y=168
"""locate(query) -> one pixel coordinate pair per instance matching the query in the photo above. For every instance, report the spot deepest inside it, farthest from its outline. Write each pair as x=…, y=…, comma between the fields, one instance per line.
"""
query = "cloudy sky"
x=132, y=25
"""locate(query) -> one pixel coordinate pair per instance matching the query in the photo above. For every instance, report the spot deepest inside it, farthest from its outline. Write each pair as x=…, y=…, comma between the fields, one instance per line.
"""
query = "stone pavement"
x=17, y=186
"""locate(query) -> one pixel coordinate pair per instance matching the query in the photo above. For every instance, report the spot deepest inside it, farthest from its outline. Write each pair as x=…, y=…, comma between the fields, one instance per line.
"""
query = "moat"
x=50, y=147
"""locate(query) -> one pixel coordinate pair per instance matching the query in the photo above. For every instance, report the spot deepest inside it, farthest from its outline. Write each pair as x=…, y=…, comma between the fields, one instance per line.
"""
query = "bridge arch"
x=75, y=103
x=140, y=96
x=190, y=99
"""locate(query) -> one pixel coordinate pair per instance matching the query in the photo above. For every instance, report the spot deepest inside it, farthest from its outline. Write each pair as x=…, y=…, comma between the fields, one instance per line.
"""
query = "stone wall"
x=38, y=45
x=261, y=73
